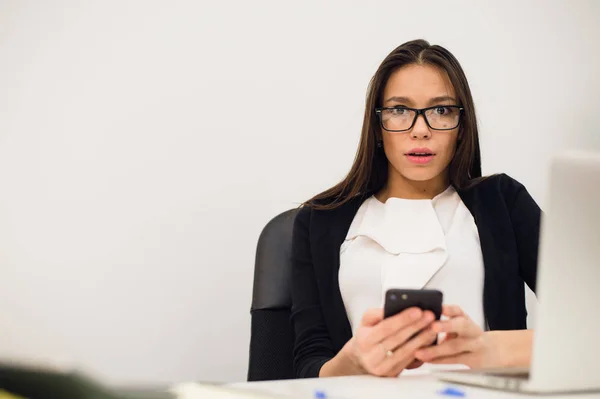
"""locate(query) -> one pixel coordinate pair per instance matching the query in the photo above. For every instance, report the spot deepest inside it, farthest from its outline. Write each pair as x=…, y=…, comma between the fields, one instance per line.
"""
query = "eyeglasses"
x=401, y=119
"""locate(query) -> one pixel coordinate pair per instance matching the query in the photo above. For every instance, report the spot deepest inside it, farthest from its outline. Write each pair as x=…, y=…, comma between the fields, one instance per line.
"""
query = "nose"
x=420, y=130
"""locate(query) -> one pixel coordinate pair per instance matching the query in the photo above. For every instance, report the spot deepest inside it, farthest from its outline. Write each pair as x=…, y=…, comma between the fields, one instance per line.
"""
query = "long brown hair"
x=369, y=172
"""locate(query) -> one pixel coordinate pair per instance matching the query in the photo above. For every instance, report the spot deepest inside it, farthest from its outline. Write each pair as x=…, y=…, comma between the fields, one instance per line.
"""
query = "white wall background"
x=144, y=144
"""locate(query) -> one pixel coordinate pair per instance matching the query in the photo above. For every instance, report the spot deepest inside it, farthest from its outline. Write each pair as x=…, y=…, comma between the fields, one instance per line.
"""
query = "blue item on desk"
x=320, y=395
x=450, y=391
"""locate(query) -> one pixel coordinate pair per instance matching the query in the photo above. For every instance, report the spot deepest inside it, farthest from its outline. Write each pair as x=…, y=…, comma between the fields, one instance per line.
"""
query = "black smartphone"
x=397, y=300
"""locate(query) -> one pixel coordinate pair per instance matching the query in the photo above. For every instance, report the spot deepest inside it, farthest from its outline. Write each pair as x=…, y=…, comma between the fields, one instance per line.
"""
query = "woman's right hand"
x=383, y=347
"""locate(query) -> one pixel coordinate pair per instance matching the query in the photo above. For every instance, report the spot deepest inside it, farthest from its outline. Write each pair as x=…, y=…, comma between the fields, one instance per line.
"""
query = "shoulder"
x=498, y=184
x=495, y=193
x=323, y=217
x=303, y=215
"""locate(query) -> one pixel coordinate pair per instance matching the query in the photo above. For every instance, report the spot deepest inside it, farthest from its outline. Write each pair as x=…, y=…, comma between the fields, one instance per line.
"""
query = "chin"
x=420, y=176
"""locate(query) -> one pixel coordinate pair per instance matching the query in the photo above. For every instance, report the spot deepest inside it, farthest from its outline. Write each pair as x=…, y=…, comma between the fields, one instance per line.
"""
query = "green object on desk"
x=7, y=395
x=44, y=383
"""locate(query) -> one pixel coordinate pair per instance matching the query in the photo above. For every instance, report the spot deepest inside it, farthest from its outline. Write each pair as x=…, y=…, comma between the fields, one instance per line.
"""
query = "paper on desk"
x=201, y=391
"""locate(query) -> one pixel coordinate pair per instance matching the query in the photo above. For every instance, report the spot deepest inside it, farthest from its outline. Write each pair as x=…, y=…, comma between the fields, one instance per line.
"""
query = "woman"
x=414, y=212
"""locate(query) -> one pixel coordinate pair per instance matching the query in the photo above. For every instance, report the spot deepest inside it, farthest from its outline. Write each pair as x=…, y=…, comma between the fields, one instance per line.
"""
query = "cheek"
x=448, y=146
x=393, y=147
x=445, y=145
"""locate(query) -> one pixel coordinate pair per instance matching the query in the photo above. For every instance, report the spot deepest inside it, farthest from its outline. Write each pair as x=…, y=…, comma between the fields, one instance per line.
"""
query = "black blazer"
x=508, y=222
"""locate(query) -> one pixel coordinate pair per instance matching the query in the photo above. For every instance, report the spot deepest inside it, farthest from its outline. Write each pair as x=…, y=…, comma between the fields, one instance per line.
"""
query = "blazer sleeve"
x=525, y=215
x=312, y=347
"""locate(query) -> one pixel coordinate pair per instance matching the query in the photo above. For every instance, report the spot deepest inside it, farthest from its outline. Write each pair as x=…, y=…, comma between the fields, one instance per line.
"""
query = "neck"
x=398, y=186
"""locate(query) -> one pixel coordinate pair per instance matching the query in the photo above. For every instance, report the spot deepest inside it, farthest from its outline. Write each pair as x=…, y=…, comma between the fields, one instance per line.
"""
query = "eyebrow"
x=434, y=100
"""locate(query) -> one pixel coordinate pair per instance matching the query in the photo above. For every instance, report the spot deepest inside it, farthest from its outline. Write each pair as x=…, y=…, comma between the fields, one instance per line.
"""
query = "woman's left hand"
x=465, y=342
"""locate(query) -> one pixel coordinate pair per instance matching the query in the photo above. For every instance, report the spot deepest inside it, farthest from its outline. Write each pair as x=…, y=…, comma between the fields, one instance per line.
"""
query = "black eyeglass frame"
x=420, y=111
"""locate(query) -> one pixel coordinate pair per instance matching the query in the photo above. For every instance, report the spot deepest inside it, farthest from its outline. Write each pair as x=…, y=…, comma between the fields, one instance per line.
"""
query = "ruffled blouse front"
x=412, y=244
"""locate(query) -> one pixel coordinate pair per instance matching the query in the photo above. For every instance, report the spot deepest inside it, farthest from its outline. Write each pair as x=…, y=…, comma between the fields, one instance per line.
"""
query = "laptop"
x=566, y=348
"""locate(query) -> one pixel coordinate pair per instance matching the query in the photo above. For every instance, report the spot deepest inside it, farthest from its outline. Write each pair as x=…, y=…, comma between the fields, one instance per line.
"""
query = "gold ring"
x=387, y=352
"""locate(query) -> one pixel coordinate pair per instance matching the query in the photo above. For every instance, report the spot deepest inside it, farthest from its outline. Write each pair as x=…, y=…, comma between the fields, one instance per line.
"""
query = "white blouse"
x=412, y=244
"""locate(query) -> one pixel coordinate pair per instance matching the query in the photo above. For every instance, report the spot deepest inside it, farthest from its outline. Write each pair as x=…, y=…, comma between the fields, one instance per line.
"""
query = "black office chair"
x=272, y=338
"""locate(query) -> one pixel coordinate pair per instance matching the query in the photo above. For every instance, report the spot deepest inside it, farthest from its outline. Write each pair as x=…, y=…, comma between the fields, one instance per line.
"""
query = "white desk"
x=413, y=387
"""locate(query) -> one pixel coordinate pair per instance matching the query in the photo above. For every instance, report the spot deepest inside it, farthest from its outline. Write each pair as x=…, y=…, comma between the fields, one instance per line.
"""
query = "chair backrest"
x=272, y=338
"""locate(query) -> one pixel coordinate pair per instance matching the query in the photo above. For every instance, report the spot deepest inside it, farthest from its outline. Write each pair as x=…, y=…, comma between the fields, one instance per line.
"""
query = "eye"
x=398, y=111
x=443, y=110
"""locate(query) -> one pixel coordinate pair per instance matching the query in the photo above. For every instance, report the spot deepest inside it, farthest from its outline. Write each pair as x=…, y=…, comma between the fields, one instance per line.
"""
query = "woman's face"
x=421, y=153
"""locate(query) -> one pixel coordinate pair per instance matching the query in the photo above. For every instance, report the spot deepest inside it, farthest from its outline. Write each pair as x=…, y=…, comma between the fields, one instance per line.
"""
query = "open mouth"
x=420, y=154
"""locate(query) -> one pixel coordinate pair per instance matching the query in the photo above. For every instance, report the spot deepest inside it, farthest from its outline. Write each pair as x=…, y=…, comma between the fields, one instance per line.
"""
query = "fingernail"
x=428, y=316
x=415, y=314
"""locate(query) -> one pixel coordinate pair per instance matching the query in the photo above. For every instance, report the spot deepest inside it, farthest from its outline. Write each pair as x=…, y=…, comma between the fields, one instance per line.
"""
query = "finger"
x=377, y=353
x=463, y=358
x=393, y=366
x=414, y=364
x=409, y=331
x=391, y=325
x=377, y=362
x=372, y=317
x=404, y=355
x=446, y=336
x=462, y=326
x=452, y=347
x=452, y=311
x=405, y=365
x=425, y=338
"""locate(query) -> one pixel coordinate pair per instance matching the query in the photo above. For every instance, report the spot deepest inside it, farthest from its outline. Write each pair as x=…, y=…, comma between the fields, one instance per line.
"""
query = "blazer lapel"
x=494, y=257
x=330, y=228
